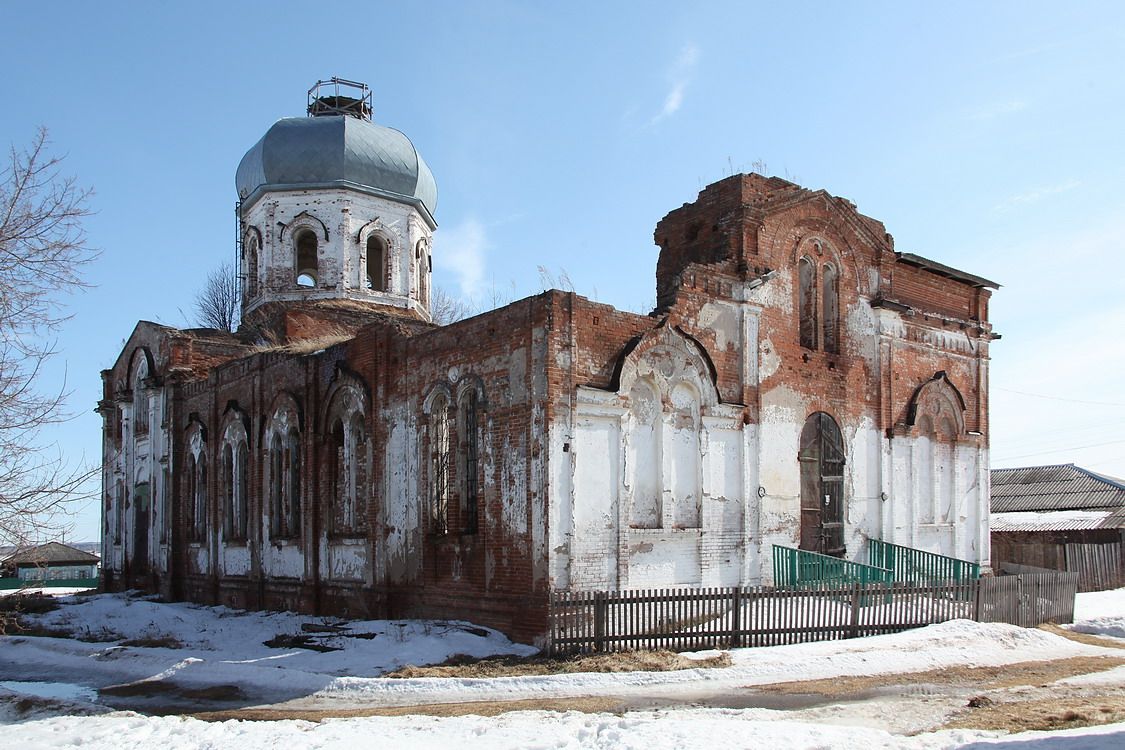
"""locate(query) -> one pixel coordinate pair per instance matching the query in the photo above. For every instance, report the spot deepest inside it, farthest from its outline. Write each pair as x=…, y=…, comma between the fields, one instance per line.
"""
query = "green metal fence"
x=798, y=567
x=917, y=566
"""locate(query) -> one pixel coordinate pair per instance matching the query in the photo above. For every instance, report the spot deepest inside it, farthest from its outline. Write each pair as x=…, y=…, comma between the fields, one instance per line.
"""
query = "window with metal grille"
x=469, y=461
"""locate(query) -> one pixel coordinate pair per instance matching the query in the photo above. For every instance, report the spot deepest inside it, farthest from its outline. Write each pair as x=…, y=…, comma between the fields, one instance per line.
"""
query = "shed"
x=1060, y=517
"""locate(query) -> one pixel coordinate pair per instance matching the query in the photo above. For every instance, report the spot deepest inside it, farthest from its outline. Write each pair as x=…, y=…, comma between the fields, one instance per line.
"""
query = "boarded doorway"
x=822, y=486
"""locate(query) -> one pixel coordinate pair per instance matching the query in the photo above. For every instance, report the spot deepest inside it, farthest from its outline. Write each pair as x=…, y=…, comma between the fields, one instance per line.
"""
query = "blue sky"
x=987, y=136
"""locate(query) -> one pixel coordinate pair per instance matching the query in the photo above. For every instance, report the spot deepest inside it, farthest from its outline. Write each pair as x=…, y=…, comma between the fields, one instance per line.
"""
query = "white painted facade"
x=342, y=222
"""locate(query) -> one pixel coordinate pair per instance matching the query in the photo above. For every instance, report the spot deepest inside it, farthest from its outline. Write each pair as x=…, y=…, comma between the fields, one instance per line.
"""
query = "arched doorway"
x=822, y=486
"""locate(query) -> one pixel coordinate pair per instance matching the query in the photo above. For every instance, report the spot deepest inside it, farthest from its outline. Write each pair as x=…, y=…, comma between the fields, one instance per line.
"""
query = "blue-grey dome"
x=321, y=151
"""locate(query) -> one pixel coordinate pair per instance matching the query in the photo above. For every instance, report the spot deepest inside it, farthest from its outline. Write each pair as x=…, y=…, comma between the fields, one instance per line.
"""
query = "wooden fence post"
x=736, y=617
x=856, y=599
x=600, y=607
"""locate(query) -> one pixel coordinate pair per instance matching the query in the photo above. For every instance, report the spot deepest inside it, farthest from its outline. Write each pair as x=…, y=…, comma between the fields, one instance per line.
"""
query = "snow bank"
x=1100, y=613
x=531, y=730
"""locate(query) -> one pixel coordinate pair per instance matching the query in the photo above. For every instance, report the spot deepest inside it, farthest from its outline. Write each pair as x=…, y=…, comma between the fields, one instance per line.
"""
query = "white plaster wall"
x=402, y=548
x=593, y=545
x=282, y=560
x=345, y=560
x=234, y=559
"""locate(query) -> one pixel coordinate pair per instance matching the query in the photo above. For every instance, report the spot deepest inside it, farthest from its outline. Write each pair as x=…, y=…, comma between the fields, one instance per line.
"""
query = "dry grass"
x=1088, y=639
x=989, y=678
x=460, y=665
x=1058, y=712
x=331, y=337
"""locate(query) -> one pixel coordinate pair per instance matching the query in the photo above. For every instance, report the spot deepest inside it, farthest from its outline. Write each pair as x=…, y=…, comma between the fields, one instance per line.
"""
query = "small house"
x=1061, y=518
x=52, y=561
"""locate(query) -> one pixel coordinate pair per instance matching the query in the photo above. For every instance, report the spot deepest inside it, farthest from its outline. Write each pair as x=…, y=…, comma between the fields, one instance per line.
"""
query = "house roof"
x=52, y=553
x=1056, y=520
x=1059, y=487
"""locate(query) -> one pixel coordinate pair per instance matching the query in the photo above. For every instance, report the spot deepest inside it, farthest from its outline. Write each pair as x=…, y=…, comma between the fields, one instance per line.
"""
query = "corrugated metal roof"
x=52, y=553
x=1062, y=487
x=1051, y=520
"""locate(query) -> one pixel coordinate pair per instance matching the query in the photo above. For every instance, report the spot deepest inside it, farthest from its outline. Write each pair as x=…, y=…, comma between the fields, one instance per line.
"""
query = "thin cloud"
x=994, y=110
x=460, y=251
x=1033, y=196
x=679, y=77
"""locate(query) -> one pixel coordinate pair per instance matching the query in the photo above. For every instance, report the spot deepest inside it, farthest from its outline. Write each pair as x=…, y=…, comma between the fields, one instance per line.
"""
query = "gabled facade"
x=799, y=383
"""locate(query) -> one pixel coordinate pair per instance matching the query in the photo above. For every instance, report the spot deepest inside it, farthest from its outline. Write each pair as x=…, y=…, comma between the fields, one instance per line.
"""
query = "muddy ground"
x=1015, y=697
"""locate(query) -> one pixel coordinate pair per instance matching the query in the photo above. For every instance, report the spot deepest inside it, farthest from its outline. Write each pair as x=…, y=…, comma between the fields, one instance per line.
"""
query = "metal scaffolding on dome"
x=338, y=96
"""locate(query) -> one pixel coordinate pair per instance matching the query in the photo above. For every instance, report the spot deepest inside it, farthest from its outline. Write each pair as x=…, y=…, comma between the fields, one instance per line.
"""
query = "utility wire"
x=1057, y=398
x=1059, y=450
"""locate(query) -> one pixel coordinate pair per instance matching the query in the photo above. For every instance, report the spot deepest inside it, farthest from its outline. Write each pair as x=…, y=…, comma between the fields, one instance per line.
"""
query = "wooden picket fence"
x=693, y=619
x=1099, y=566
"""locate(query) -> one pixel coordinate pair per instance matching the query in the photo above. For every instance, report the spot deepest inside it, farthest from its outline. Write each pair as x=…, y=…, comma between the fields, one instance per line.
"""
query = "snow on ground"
x=222, y=646
x=46, y=590
x=528, y=730
x=206, y=646
x=1100, y=613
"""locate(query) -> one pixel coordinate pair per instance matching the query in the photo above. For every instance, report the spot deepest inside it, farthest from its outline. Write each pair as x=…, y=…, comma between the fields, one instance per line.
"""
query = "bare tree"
x=43, y=253
x=446, y=309
x=217, y=303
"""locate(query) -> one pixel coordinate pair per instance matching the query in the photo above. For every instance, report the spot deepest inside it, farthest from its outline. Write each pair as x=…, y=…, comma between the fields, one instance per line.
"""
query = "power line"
x=1060, y=450
x=1057, y=398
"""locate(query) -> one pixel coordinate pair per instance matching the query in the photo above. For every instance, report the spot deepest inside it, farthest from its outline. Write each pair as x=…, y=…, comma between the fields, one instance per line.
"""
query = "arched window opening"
x=228, y=481
x=831, y=309
x=342, y=508
x=422, y=263
x=119, y=514
x=439, y=465
x=470, y=502
x=234, y=485
x=376, y=264
x=140, y=399
x=283, y=482
x=199, y=497
x=242, y=488
x=276, y=487
x=293, y=488
x=821, y=459
x=307, y=264
x=252, y=268
x=806, y=304
x=357, y=470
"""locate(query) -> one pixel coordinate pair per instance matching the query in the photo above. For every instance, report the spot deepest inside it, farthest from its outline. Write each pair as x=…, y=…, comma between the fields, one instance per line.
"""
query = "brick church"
x=800, y=382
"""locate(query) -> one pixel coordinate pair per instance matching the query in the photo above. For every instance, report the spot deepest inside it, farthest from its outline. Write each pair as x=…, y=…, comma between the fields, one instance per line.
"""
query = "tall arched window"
x=293, y=484
x=438, y=464
x=199, y=498
x=119, y=514
x=422, y=264
x=467, y=468
x=376, y=264
x=307, y=269
x=252, y=268
x=806, y=302
x=282, y=476
x=348, y=458
x=234, y=482
x=830, y=308
x=140, y=398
